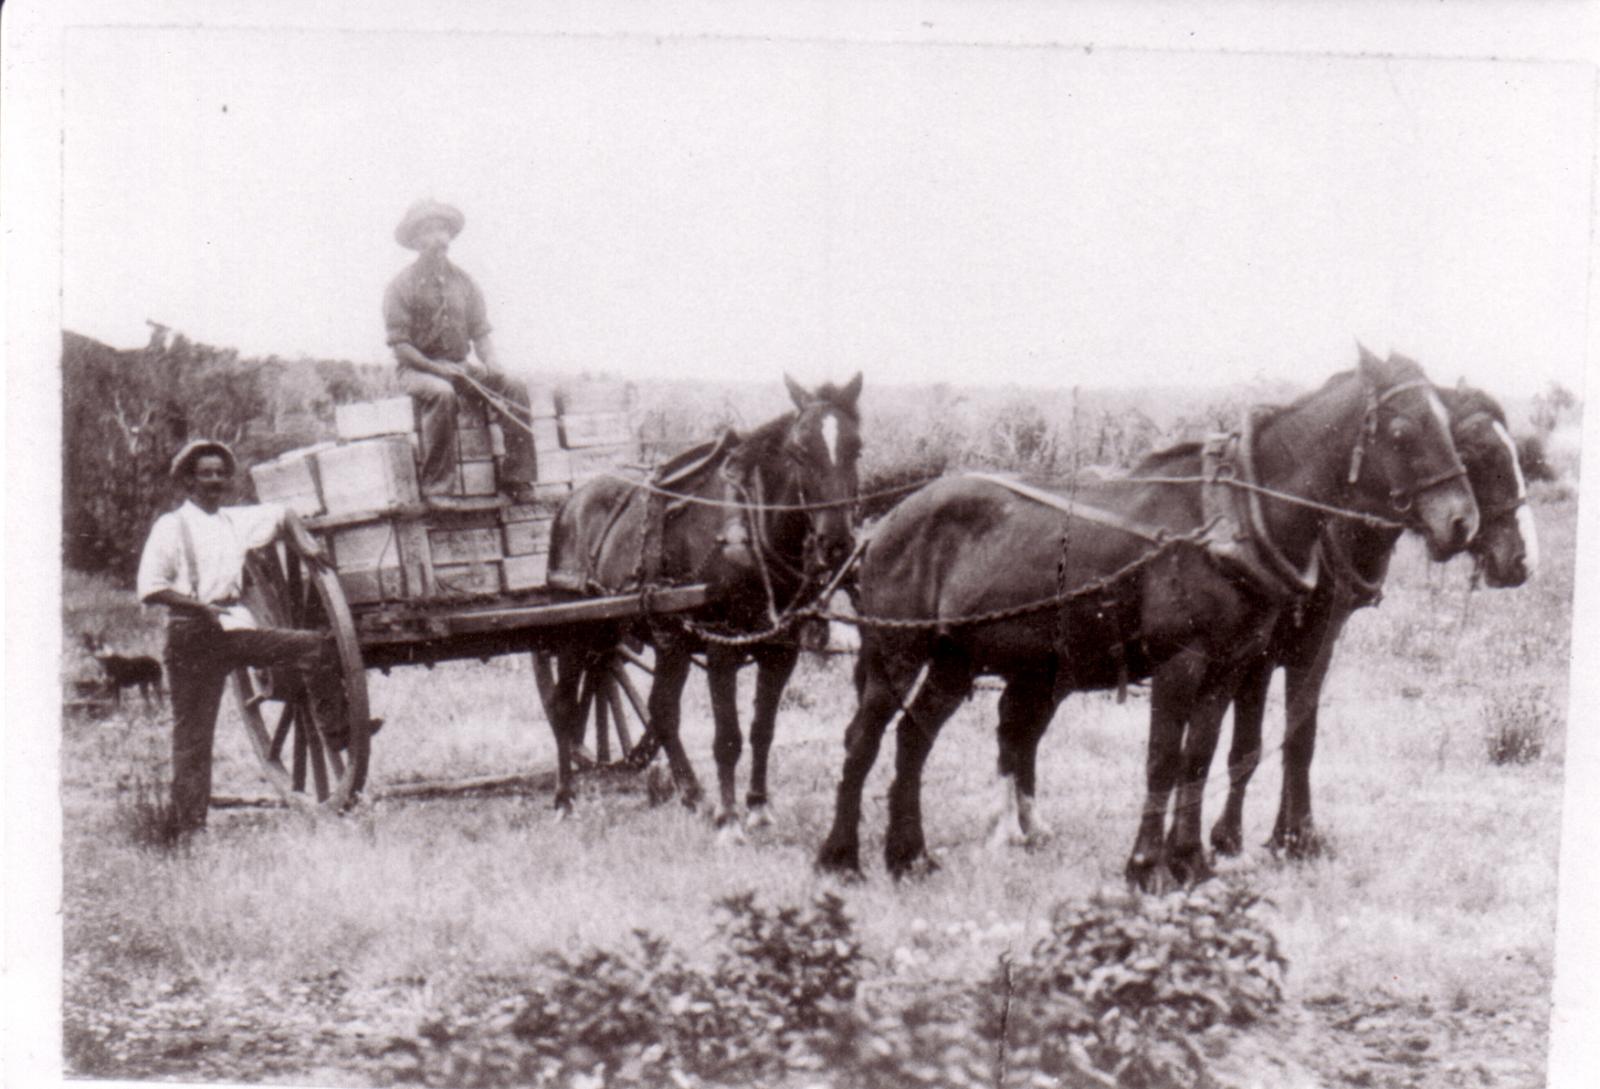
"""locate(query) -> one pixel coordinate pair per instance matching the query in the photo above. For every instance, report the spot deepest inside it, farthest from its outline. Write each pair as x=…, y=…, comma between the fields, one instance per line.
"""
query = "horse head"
x=1506, y=547
x=797, y=476
x=1406, y=457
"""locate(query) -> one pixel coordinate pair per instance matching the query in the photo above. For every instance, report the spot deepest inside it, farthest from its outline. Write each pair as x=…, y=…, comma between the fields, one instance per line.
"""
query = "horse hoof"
x=731, y=835
x=915, y=868
x=841, y=861
x=759, y=817
x=1302, y=846
x=1148, y=874
x=1189, y=866
x=1226, y=841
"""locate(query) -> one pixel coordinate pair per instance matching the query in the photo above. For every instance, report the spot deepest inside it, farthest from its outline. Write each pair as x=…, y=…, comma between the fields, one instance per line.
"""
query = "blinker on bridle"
x=1401, y=499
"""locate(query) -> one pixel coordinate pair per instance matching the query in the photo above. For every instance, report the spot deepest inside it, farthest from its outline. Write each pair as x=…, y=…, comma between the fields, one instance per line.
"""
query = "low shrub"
x=1116, y=995
x=145, y=813
x=1516, y=725
x=1124, y=984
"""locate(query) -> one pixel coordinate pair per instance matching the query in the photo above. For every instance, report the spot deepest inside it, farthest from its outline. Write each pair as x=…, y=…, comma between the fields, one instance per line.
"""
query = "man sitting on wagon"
x=193, y=563
x=435, y=315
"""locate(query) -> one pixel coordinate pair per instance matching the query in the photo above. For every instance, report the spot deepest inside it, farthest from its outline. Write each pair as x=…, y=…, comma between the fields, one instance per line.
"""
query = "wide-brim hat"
x=423, y=211
x=183, y=459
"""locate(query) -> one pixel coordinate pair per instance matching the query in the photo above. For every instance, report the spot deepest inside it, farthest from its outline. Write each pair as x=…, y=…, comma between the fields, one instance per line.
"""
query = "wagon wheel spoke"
x=296, y=588
x=281, y=733
x=634, y=657
x=618, y=716
x=602, y=711
x=299, y=770
x=317, y=751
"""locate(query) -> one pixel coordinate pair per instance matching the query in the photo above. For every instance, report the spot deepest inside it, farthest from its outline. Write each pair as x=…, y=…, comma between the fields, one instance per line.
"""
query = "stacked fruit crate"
x=361, y=495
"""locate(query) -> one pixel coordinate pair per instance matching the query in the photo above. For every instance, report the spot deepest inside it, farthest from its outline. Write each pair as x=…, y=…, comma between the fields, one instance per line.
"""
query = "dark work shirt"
x=438, y=310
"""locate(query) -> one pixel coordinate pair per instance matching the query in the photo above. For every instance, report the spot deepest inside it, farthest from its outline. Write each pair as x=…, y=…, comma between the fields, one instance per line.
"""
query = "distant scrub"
x=1123, y=992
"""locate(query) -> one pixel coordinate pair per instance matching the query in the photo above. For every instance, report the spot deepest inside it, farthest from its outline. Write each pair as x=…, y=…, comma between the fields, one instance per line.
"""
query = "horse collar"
x=1238, y=535
x=1365, y=591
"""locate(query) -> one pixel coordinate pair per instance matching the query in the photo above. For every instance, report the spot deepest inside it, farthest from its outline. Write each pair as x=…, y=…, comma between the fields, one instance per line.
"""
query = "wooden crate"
x=465, y=579
x=370, y=585
x=474, y=444
x=528, y=535
x=595, y=429
x=526, y=572
x=366, y=419
x=452, y=546
x=555, y=466
x=376, y=474
x=546, y=434
x=476, y=477
x=291, y=480
x=383, y=560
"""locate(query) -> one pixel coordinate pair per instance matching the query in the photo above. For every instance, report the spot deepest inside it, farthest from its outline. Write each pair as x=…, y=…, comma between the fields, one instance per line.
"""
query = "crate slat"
x=453, y=546
x=368, y=419
x=526, y=572
x=595, y=429
x=528, y=536
x=368, y=474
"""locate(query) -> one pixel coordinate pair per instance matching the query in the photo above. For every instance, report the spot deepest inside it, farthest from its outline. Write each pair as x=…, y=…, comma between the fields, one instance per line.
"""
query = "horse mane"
x=1161, y=458
x=765, y=439
x=1467, y=400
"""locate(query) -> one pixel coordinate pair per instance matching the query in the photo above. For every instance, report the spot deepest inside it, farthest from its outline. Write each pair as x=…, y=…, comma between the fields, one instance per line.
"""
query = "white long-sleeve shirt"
x=220, y=543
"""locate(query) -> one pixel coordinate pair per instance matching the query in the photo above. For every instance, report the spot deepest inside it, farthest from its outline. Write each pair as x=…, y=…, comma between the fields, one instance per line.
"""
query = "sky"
x=732, y=204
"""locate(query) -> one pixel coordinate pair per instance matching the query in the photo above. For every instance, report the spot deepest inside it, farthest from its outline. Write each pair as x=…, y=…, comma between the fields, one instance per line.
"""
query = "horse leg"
x=948, y=682
x=1172, y=687
x=775, y=664
x=722, y=677
x=1186, y=853
x=562, y=725
x=1026, y=708
x=1294, y=832
x=666, y=696
x=883, y=687
x=1249, y=707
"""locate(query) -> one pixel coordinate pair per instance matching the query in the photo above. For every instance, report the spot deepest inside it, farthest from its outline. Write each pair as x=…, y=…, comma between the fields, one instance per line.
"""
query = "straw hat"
x=423, y=211
x=192, y=451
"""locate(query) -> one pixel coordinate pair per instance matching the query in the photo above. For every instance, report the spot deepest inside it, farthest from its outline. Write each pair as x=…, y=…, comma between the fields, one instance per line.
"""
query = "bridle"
x=1402, y=500
x=1504, y=507
x=752, y=516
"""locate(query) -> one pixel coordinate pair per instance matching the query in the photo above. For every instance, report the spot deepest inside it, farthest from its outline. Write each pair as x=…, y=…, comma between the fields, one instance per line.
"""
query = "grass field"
x=282, y=949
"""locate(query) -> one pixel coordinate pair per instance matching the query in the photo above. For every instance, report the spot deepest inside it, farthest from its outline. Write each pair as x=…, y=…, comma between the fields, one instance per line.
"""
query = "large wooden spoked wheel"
x=310, y=729
x=610, y=702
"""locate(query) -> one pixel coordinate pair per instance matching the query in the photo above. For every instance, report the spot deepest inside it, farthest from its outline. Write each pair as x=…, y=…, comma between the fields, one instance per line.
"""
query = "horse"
x=763, y=519
x=1355, y=563
x=1175, y=574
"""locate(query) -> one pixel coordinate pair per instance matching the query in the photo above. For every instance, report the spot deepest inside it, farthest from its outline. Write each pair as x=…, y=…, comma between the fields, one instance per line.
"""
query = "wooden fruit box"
x=291, y=480
x=377, y=474
x=595, y=429
x=366, y=419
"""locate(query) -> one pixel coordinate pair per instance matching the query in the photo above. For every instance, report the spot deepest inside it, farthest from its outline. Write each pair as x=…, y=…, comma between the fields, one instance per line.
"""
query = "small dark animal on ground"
x=122, y=672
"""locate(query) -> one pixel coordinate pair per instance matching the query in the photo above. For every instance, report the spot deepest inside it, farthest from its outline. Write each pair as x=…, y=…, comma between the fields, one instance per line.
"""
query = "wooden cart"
x=416, y=585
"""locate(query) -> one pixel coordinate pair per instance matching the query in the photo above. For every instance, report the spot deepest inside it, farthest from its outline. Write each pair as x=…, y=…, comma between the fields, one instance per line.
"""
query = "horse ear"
x=851, y=393
x=1461, y=384
x=1368, y=361
x=797, y=393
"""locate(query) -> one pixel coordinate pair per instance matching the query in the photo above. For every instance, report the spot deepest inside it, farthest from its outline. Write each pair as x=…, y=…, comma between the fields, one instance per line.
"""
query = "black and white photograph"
x=812, y=546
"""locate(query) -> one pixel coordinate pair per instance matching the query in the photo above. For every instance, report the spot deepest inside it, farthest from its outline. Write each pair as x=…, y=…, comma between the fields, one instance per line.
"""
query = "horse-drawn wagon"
x=417, y=583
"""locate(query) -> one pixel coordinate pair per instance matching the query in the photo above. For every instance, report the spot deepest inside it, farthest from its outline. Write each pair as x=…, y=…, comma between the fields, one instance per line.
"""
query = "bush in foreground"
x=1116, y=995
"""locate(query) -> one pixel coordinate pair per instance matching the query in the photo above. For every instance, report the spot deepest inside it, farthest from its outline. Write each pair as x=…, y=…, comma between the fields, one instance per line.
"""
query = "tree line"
x=126, y=412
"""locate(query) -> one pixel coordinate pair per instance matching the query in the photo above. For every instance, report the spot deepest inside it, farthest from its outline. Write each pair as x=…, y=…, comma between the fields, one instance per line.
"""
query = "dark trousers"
x=199, y=658
x=437, y=404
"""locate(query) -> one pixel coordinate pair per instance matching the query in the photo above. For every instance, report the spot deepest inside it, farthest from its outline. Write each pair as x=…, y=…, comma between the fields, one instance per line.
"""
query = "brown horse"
x=763, y=519
x=1175, y=574
x=1355, y=562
